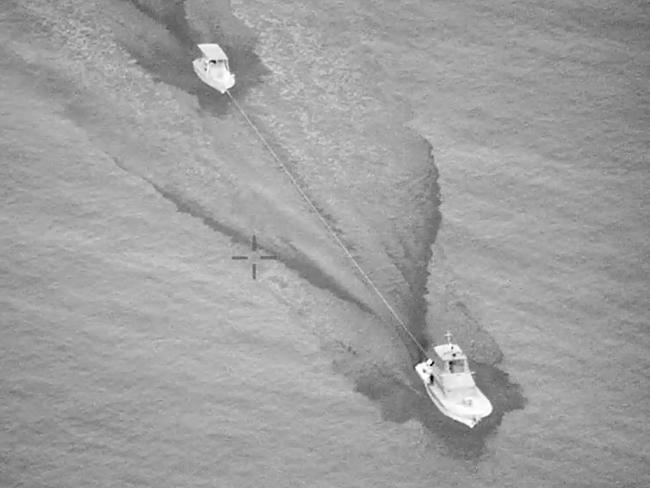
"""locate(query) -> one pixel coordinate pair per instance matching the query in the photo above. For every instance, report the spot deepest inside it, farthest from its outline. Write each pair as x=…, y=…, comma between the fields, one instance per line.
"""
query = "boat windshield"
x=457, y=366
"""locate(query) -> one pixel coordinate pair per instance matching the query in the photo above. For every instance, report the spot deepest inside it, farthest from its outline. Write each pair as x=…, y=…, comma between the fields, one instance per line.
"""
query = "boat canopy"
x=449, y=352
x=213, y=52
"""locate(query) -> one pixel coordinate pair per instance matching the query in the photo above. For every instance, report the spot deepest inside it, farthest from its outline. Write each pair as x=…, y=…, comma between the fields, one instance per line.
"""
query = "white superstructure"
x=213, y=68
x=451, y=386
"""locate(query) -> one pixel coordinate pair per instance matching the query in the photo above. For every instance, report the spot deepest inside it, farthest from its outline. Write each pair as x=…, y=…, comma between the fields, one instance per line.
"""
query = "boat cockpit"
x=457, y=366
x=216, y=66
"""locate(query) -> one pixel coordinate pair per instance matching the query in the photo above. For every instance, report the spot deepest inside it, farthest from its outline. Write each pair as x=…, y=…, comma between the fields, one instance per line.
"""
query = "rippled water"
x=486, y=163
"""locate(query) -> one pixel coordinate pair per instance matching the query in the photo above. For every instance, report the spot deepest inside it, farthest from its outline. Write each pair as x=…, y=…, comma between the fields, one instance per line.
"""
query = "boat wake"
x=400, y=396
x=170, y=40
x=214, y=170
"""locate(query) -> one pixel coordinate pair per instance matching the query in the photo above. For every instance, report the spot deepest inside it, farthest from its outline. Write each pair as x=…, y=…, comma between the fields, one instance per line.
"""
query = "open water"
x=487, y=162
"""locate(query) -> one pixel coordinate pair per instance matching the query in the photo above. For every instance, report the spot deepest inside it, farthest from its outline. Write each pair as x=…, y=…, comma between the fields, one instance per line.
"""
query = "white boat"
x=451, y=386
x=213, y=68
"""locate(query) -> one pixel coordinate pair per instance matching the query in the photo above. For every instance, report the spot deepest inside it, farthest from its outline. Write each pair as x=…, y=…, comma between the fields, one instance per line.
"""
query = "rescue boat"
x=450, y=385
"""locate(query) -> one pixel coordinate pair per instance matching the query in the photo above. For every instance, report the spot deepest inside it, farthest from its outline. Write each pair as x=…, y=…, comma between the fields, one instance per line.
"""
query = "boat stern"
x=220, y=83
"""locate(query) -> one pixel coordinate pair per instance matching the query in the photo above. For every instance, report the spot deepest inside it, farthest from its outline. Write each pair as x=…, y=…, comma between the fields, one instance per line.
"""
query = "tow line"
x=340, y=243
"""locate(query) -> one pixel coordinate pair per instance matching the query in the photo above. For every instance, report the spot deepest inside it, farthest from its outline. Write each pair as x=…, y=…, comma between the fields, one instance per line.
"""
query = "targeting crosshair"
x=256, y=256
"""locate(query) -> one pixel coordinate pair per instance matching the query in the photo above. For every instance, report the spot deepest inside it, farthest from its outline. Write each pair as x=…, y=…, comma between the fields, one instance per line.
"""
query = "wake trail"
x=328, y=227
x=294, y=259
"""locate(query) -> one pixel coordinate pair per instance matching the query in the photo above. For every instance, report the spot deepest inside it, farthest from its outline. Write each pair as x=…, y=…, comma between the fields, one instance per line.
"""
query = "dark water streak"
x=174, y=68
x=293, y=259
x=400, y=400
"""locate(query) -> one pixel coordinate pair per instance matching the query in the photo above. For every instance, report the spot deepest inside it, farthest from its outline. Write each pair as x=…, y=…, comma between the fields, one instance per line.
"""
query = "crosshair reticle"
x=256, y=256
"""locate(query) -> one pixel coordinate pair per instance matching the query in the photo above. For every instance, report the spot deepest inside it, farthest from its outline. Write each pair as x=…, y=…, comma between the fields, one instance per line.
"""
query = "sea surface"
x=486, y=162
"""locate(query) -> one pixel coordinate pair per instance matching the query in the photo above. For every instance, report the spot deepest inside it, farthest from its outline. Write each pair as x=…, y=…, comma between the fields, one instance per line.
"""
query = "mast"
x=448, y=337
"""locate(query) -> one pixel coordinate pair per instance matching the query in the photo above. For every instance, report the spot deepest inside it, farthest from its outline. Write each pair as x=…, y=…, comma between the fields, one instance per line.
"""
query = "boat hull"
x=219, y=83
x=454, y=407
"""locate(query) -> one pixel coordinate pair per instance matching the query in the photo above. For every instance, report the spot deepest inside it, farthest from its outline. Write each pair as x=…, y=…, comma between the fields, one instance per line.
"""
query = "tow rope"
x=340, y=243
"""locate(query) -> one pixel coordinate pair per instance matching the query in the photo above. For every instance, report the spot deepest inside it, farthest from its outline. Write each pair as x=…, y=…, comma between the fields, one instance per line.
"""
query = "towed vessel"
x=212, y=68
x=450, y=385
